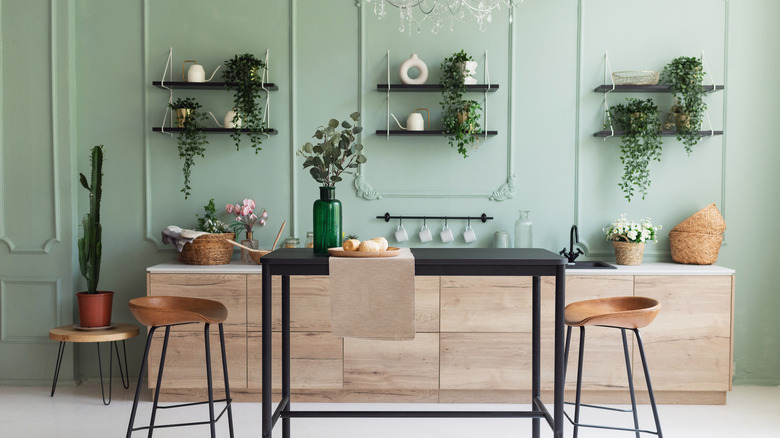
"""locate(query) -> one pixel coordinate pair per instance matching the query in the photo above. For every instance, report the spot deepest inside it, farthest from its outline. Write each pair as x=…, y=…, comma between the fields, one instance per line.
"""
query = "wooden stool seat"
x=621, y=312
x=161, y=310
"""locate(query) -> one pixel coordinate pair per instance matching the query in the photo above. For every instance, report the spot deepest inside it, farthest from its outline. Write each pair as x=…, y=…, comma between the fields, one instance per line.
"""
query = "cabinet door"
x=228, y=289
x=316, y=361
x=390, y=365
x=604, y=367
x=486, y=304
x=185, y=359
x=688, y=346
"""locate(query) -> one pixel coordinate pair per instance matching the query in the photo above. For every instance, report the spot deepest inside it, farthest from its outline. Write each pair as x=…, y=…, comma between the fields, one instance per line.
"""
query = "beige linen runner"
x=373, y=298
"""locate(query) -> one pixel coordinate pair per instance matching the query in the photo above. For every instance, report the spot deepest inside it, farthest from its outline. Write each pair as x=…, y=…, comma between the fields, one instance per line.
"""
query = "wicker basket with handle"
x=628, y=253
x=208, y=249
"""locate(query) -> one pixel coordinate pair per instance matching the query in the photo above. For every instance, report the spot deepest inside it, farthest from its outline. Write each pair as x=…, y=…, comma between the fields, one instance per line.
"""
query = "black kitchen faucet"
x=574, y=237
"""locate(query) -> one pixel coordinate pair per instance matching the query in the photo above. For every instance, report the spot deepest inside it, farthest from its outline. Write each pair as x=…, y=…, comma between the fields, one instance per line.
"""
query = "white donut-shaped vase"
x=415, y=62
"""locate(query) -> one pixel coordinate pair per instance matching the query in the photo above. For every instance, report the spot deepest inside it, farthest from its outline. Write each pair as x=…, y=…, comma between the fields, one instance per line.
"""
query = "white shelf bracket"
x=484, y=96
x=169, y=71
x=387, y=93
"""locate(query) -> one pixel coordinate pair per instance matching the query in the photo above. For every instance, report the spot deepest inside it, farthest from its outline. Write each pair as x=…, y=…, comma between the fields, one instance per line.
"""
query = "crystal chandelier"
x=442, y=12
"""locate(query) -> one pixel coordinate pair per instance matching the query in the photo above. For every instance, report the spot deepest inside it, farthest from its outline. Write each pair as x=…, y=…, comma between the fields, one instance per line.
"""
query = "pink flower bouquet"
x=245, y=216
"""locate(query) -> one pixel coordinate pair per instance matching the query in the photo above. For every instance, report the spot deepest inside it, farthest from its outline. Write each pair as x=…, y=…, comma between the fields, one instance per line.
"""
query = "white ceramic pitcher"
x=415, y=121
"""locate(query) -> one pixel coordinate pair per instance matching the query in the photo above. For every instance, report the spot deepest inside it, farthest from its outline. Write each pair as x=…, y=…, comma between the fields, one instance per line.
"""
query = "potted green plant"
x=244, y=75
x=192, y=138
x=335, y=153
x=685, y=76
x=211, y=248
x=641, y=142
x=94, y=305
x=460, y=117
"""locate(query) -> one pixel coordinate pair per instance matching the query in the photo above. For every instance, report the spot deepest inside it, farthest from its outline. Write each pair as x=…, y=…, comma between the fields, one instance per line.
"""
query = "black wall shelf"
x=434, y=87
x=663, y=133
x=181, y=85
x=648, y=88
x=214, y=130
x=426, y=132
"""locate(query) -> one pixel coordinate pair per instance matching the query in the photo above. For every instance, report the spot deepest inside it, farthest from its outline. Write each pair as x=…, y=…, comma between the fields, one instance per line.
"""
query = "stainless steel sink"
x=590, y=265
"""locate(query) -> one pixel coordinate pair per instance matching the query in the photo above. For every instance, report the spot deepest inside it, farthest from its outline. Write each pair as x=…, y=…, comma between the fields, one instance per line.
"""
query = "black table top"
x=432, y=261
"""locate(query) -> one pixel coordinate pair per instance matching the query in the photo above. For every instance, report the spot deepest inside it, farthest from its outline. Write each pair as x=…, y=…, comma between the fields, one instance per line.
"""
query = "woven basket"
x=628, y=253
x=208, y=249
x=707, y=220
x=695, y=248
x=635, y=77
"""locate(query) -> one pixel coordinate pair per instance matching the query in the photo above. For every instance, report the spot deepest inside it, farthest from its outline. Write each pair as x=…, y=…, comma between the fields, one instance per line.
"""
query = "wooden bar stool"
x=624, y=313
x=162, y=311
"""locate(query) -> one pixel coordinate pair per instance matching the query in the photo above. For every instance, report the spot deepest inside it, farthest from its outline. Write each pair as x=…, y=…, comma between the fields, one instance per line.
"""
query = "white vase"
x=469, y=69
x=413, y=62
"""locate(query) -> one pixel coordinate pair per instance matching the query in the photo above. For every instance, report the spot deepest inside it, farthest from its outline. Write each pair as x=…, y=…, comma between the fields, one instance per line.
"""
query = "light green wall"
x=327, y=58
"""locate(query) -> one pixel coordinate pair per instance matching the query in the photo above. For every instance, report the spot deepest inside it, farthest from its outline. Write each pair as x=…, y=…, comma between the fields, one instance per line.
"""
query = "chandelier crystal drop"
x=440, y=13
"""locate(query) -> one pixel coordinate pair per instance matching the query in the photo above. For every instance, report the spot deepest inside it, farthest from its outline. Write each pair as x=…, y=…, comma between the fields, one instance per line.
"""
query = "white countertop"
x=643, y=269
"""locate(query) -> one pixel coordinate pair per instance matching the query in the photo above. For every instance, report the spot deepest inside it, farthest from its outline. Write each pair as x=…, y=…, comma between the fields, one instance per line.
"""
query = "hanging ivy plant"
x=641, y=143
x=192, y=138
x=685, y=75
x=244, y=75
x=460, y=117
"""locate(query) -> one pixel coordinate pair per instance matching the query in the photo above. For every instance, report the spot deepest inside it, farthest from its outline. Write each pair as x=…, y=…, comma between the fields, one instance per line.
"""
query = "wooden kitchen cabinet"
x=473, y=341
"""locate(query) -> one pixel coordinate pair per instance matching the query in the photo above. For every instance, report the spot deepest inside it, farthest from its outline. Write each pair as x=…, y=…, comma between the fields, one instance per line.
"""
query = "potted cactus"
x=94, y=305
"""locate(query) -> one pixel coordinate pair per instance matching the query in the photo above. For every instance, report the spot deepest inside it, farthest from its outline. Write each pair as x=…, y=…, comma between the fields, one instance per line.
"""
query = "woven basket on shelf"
x=635, y=77
x=628, y=253
x=694, y=248
x=707, y=220
x=208, y=249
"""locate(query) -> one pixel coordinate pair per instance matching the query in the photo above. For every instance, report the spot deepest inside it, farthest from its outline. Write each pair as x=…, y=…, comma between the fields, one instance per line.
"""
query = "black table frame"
x=435, y=262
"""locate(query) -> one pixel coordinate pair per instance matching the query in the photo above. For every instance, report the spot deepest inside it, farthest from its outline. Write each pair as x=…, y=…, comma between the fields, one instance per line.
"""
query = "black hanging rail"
x=483, y=217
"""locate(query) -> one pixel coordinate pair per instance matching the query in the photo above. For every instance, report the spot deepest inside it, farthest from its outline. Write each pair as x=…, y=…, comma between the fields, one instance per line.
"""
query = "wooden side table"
x=118, y=332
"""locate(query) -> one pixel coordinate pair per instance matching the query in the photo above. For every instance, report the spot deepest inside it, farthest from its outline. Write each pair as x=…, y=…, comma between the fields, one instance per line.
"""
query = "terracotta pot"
x=95, y=309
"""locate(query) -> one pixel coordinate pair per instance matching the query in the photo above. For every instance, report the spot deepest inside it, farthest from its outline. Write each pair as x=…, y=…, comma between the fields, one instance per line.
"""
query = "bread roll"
x=369, y=246
x=382, y=243
x=351, y=245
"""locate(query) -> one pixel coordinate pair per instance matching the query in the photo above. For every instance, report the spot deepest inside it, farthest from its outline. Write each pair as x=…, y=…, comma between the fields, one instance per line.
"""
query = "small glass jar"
x=309, y=239
x=291, y=242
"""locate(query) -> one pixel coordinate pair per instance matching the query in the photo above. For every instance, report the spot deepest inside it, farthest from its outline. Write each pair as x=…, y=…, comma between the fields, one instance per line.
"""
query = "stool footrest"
x=198, y=423
x=184, y=405
x=606, y=408
x=597, y=426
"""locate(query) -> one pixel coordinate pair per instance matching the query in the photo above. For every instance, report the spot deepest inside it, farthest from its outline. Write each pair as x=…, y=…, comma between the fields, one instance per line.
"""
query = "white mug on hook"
x=446, y=234
x=469, y=235
x=400, y=234
x=425, y=234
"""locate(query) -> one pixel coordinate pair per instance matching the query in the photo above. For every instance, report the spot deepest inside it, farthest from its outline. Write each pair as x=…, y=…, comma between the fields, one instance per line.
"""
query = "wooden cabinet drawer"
x=387, y=365
x=316, y=361
x=485, y=304
x=500, y=361
x=228, y=289
x=185, y=361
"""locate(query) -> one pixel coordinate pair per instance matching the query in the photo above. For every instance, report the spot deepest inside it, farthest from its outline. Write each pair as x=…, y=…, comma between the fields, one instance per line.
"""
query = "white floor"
x=78, y=412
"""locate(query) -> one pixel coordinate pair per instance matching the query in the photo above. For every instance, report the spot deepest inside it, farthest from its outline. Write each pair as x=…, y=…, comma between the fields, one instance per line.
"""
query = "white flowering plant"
x=629, y=231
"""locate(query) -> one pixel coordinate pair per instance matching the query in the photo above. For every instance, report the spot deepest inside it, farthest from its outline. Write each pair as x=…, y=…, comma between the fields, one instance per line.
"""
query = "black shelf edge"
x=181, y=85
x=663, y=133
x=215, y=130
x=648, y=88
x=427, y=132
x=434, y=87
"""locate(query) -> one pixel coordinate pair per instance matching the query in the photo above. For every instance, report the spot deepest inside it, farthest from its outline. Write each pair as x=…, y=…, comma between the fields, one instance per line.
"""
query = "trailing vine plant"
x=685, y=75
x=641, y=143
x=460, y=117
x=244, y=75
x=192, y=137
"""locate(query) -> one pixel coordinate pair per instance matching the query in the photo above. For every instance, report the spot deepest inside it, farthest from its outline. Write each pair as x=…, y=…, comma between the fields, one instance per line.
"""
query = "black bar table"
x=534, y=262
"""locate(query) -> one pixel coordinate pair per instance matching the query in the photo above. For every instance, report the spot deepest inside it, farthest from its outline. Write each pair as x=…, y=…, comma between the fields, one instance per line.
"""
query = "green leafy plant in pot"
x=460, y=117
x=685, y=75
x=94, y=306
x=244, y=75
x=641, y=143
x=192, y=138
x=335, y=153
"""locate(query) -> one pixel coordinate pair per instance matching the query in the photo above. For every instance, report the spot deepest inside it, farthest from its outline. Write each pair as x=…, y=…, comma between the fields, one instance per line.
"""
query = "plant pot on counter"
x=628, y=253
x=95, y=309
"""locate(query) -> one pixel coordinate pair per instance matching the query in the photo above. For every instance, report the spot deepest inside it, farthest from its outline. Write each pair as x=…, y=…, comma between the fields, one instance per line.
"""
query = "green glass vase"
x=327, y=221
